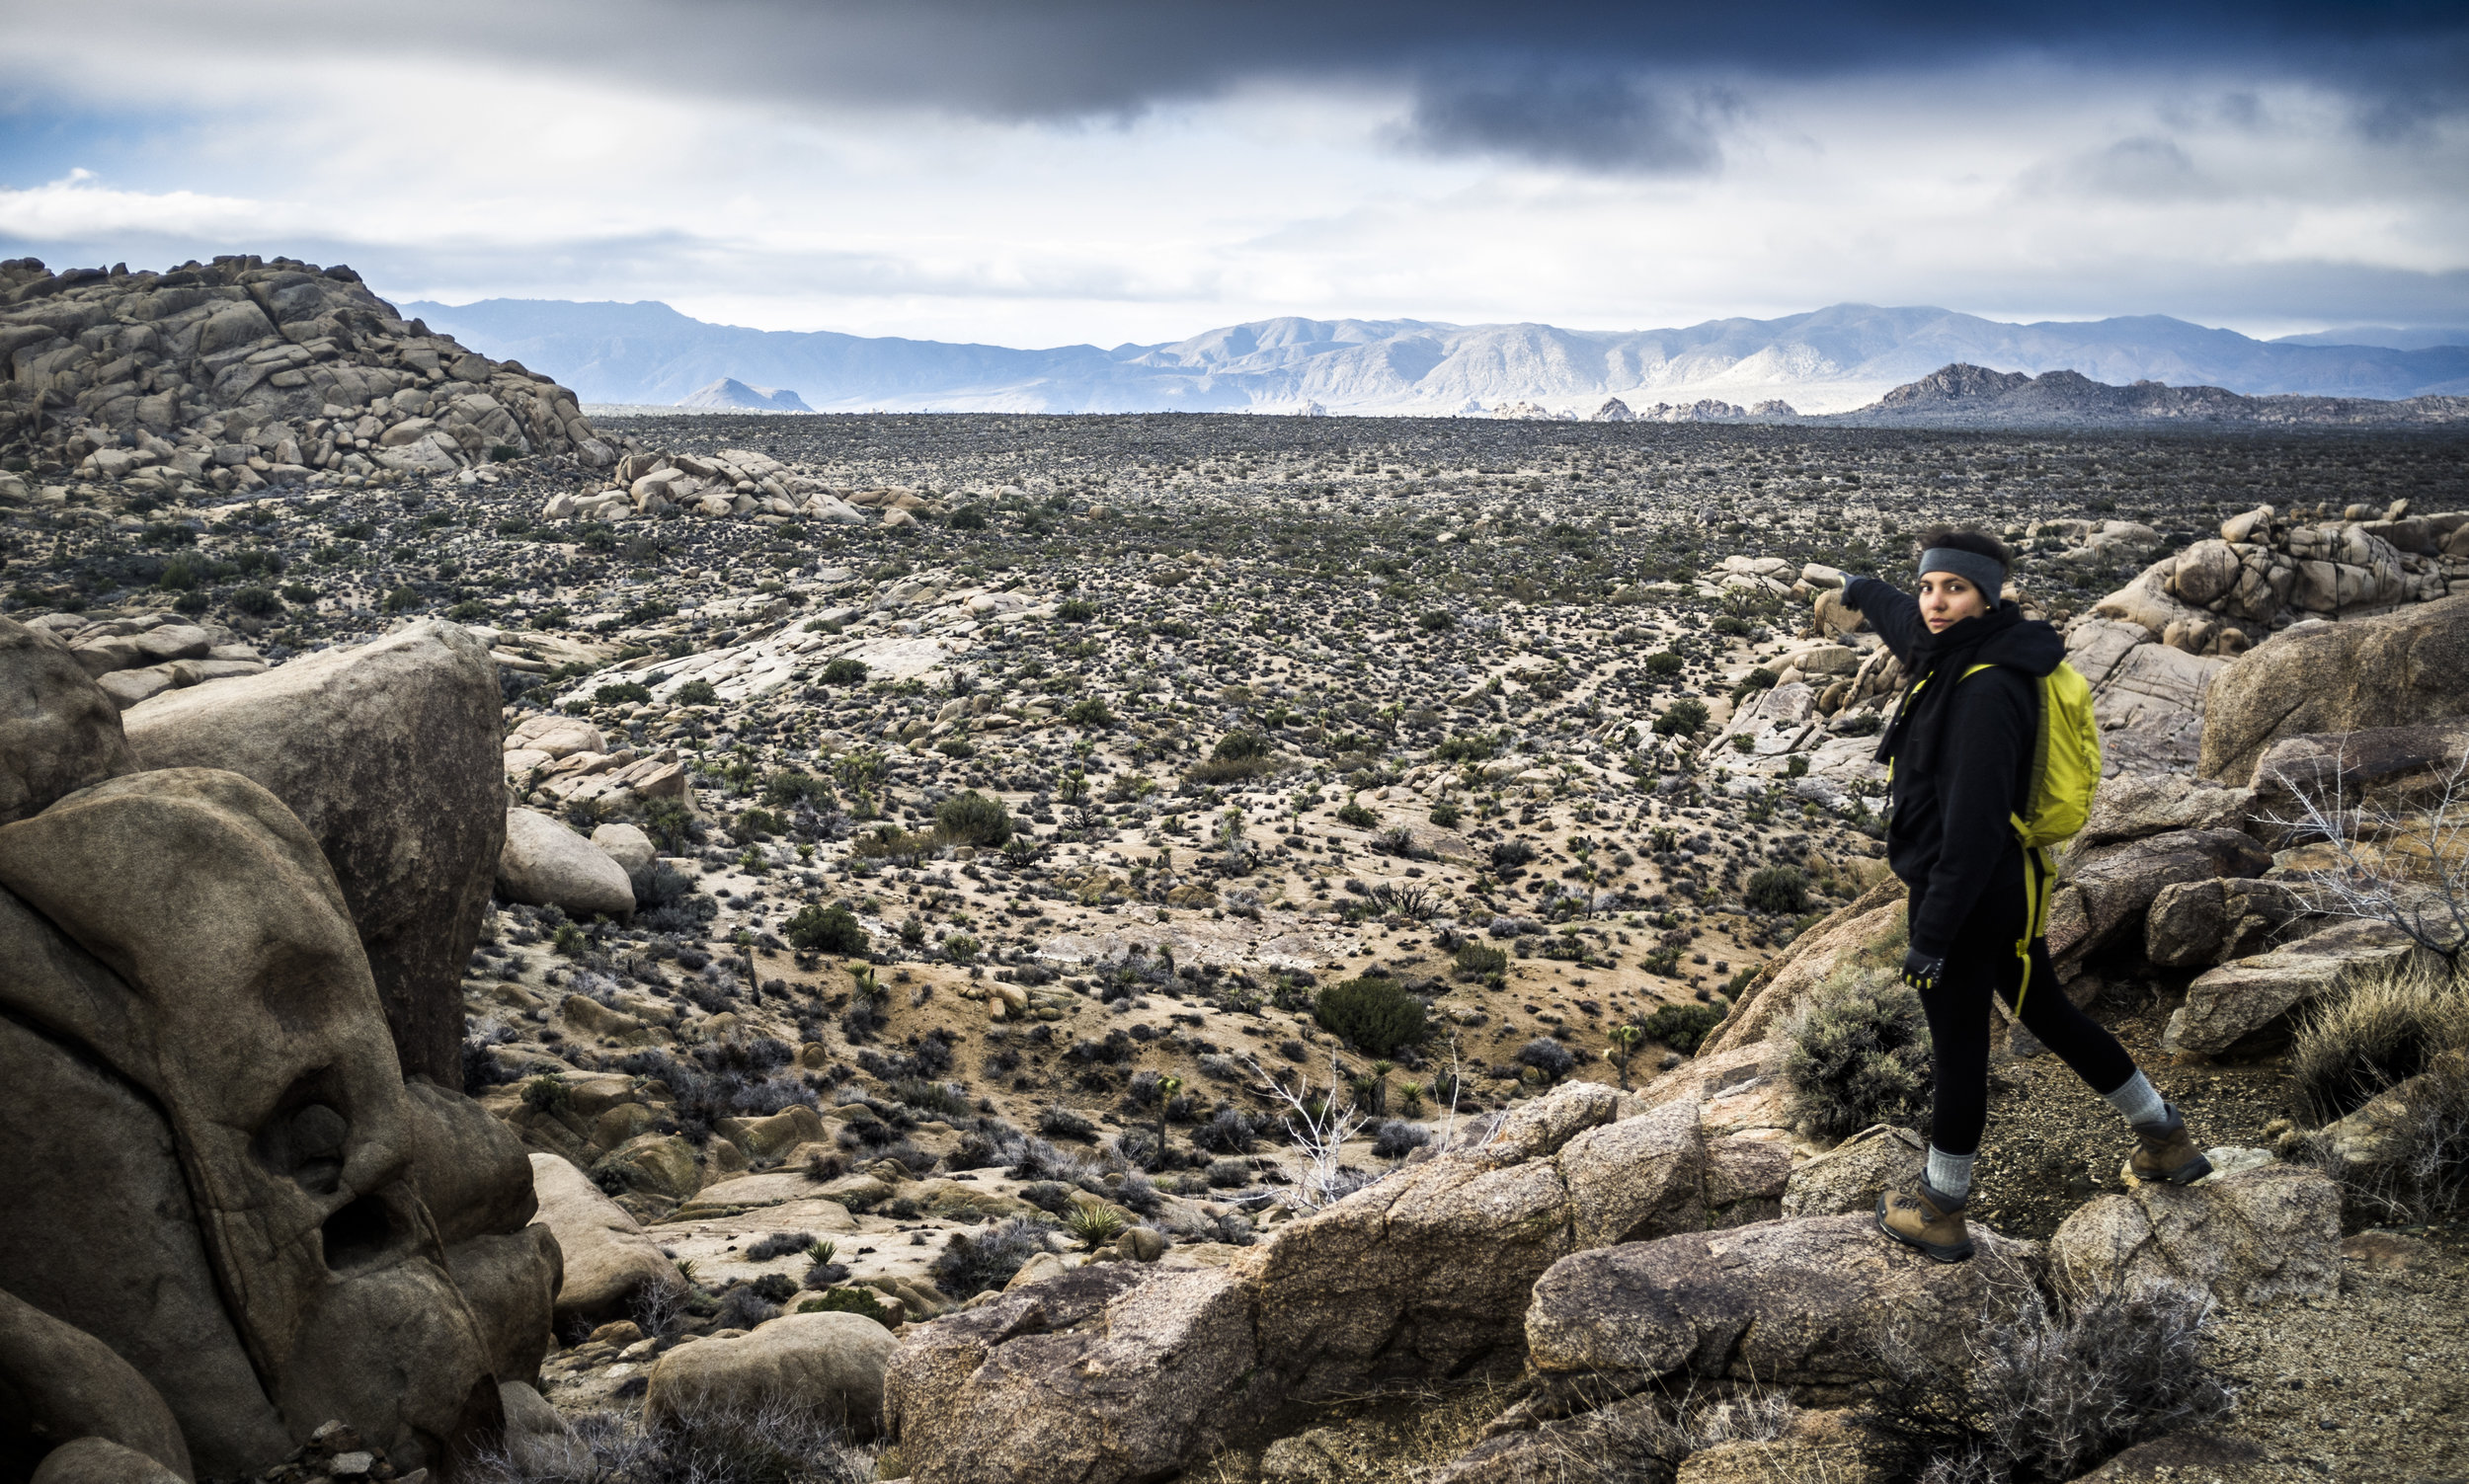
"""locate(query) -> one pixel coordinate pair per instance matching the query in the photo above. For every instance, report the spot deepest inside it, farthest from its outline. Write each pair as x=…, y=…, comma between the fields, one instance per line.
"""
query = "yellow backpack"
x=2065, y=770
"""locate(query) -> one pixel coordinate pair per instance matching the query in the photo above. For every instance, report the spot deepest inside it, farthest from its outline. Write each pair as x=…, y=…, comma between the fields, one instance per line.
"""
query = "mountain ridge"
x=1839, y=359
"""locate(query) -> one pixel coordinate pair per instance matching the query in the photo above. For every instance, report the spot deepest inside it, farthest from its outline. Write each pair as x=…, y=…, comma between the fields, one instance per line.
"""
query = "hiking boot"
x=2165, y=1152
x=1928, y=1219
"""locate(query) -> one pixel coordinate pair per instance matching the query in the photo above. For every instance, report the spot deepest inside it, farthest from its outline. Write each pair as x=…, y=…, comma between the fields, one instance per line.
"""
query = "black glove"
x=1921, y=971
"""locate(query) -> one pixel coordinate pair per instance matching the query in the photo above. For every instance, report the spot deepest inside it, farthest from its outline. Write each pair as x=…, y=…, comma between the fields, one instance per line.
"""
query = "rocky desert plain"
x=1123, y=948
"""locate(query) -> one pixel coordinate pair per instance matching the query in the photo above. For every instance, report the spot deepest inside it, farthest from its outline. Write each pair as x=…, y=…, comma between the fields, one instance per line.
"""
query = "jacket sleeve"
x=1891, y=611
x=1980, y=758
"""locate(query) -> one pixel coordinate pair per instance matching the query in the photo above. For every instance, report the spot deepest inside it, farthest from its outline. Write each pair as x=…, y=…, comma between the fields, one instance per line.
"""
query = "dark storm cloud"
x=1596, y=85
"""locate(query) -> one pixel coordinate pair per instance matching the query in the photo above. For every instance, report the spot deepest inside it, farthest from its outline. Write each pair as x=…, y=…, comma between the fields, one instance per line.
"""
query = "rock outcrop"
x=244, y=1221
x=1118, y=1371
x=2400, y=670
x=388, y=754
x=830, y=1364
x=2258, y=1236
x=245, y=372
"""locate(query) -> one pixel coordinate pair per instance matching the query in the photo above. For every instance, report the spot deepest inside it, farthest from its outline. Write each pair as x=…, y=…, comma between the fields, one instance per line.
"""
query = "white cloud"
x=2217, y=199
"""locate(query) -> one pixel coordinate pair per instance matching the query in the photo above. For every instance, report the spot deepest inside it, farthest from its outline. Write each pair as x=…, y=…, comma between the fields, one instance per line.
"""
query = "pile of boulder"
x=138, y=658
x=236, y=917
x=245, y=372
x=731, y=483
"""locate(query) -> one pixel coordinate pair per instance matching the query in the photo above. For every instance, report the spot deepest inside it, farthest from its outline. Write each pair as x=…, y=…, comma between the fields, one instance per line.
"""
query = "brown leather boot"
x=1928, y=1219
x=2165, y=1152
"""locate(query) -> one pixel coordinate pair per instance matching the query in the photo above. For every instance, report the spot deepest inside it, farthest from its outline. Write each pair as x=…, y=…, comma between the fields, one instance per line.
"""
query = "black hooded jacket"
x=1962, y=749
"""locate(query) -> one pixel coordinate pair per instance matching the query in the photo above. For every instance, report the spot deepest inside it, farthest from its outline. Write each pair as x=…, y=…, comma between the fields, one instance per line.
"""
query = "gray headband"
x=1983, y=573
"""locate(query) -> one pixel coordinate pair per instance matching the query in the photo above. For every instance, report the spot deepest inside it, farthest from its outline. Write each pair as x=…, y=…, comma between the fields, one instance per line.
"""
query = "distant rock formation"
x=1615, y=411
x=1961, y=394
x=248, y=372
x=729, y=392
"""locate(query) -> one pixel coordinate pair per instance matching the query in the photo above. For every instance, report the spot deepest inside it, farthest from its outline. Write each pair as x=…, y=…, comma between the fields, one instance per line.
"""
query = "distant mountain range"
x=731, y=394
x=1832, y=360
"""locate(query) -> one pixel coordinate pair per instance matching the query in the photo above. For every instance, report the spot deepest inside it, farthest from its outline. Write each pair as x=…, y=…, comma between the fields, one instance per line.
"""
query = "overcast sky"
x=1030, y=173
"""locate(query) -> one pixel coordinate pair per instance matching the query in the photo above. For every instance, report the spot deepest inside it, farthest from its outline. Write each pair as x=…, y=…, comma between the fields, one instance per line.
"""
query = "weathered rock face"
x=2250, y=997
x=2148, y=696
x=243, y=373
x=827, y=1364
x=64, y=1386
x=2196, y=922
x=58, y=731
x=388, y=754
x=1790, y=1303
x=2392, y=767
x=2401, y=669
x=2256, y=1236
x=607, y=1258
x=238, y=1000
x=546, y=864
x=1101, y=1376
x=1851, y=1176
x=2109, y=890
x=2130, y=806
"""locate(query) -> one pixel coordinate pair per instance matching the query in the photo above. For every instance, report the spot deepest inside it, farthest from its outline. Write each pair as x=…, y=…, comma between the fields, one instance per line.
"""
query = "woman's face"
x=1947, y=599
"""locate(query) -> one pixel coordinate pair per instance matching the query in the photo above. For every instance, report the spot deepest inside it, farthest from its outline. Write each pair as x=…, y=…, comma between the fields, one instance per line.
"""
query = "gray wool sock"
x=1949, y=1175
x=2139, y=1101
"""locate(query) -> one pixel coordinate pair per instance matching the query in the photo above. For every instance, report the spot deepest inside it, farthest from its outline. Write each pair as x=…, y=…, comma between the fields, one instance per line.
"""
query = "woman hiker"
x=1961, y=750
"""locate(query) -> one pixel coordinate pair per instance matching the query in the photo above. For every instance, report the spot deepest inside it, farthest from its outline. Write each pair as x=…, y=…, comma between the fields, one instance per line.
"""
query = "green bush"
x=969, y=517
x=973, y=818
x=1754, y=681
x=830, y=929
x=695, y=693
x=1235, y=747
x=298, y=593
x=844, y=673
x=1445, y=815
x=1777, y=889
x=1664, y=664
x=960, y=947
x=1859, y=1056
x=850, y=1301
x=1683, y=1027
x=1683, y=718
x=1732, y=626
x=178, y=574
x=1437, y=621
x=400, y=598
x=258, y=602
x=1091, y=712
x=1477, y=960
x=1375, y=1016
x=621, y=693
x=1076, y=610
x=1360, y=817
x=1472, y=747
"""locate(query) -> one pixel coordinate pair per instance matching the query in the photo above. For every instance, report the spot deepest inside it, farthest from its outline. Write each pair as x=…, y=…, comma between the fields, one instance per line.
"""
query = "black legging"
x=1982, y=959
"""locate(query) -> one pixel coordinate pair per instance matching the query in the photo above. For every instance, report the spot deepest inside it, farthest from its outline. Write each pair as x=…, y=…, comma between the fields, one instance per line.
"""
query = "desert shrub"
x=1058, y=1122
x=1076, y=610
x=1089, y=712
x=1547, y=1056
x=1754, y=681
x=844, y=673
x=1477, y=960
x=1683, y=718
x=1445, y=815
x=1731, y=626
x=481, y=1071
x=620, y=691
x=1227, y=1132
x=1359, y=816
x=971, y=818
x=695, y=693
x=1663, y=663
x=258, y=601
x=969, y=517
x=848, y=1301
x=776, y=1443
x=745, y=1307
x=1859, y=1056
x=974, y=1262
x=1397, y=1138
x=1377, y=1016
x=1092, y=1224
x=1508, y=855
x=1437, y=621
x=778, y=1244
x=2054, y=1388
x=1777, y=889
x=826, y=930
x=2382, y=1030
x=1857, y=724
x=1683, y=1027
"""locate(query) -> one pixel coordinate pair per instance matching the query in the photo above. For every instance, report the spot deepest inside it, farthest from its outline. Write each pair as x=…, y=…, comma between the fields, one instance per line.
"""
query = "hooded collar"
x=2001, y=636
